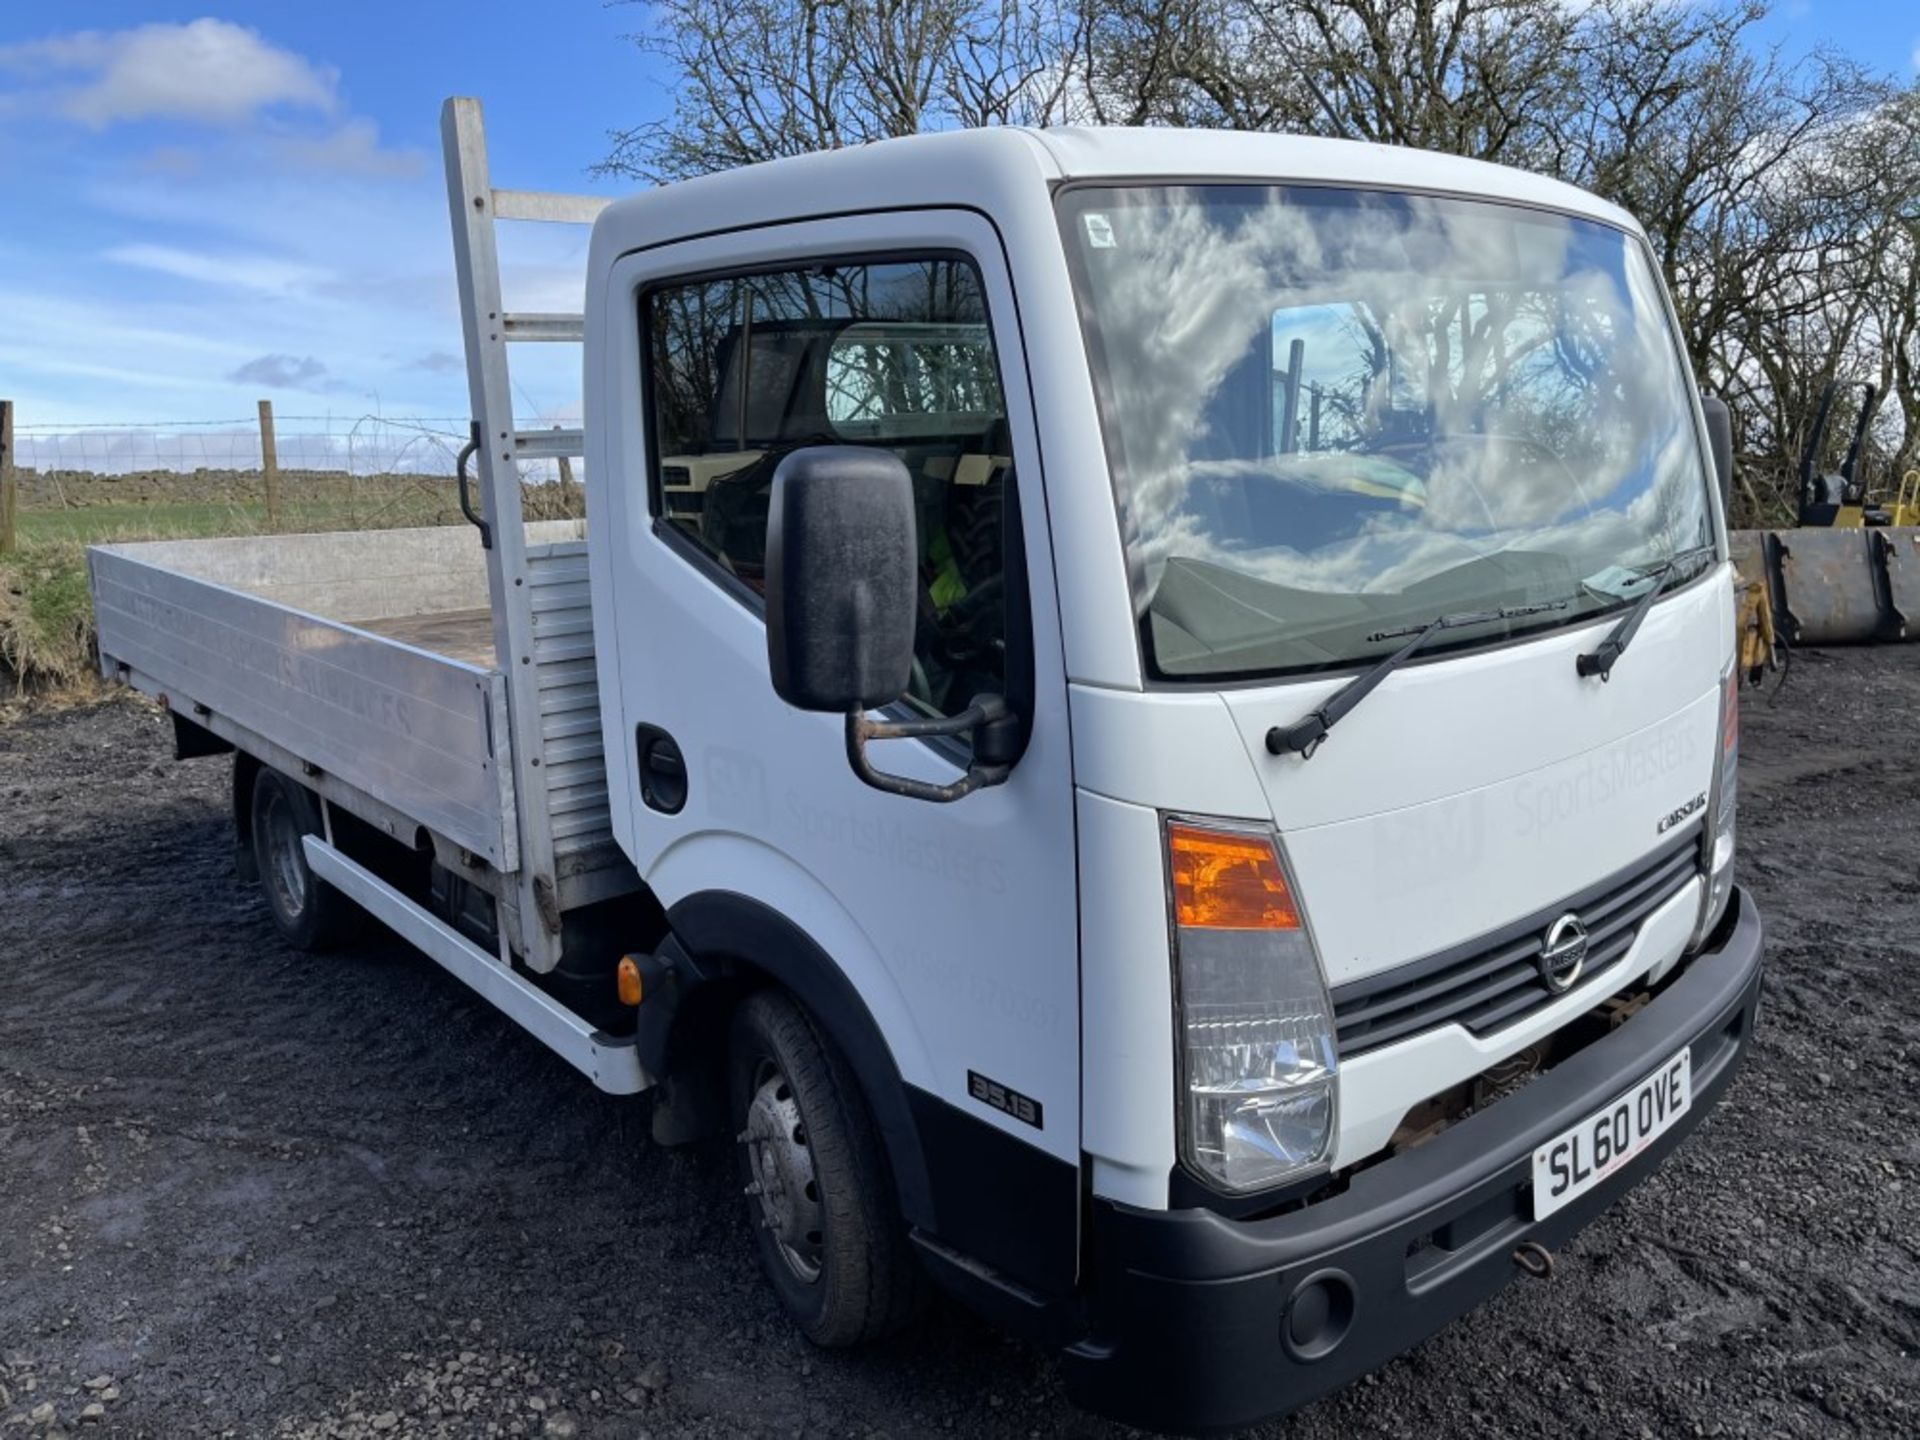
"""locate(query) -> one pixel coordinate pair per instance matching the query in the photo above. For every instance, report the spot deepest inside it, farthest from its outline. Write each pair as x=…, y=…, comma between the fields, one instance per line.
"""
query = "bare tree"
x=1782, y=198
x=761, y=79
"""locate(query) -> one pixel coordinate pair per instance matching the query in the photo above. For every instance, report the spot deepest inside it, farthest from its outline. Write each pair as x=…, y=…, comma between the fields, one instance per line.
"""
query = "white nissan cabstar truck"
x=1143, y=721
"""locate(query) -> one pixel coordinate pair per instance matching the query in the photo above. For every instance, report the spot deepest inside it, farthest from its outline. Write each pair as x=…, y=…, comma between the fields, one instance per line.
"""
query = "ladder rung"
x=546, y=205
x=548, y=444
x=544, y=327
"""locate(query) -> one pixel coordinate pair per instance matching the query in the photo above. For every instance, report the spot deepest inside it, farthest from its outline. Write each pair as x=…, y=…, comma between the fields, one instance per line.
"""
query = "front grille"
x=1495, y=980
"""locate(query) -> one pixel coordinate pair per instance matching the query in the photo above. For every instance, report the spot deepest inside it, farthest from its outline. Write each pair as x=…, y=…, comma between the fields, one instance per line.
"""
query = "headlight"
x=1256, y=1026
x=1723, y=810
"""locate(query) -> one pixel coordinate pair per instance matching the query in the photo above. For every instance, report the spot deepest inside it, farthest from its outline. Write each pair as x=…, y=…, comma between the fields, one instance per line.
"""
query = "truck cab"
x=1169, y=1012
x=1166, y=715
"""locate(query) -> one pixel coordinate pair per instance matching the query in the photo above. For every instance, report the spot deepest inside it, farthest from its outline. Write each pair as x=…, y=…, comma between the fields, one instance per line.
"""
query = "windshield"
x=1331, y=413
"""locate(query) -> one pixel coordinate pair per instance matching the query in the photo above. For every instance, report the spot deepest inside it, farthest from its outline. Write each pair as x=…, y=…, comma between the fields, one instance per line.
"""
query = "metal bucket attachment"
x=1900, y=564
x=1834, y=584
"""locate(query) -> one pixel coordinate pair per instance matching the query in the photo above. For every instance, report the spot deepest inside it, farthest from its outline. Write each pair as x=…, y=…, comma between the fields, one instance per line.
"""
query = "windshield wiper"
x=1603, y=657
x=1303, y=737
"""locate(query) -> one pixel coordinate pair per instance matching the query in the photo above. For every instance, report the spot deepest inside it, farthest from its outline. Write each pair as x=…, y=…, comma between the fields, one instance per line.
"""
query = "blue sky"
x=209, y=205
x=206, y=207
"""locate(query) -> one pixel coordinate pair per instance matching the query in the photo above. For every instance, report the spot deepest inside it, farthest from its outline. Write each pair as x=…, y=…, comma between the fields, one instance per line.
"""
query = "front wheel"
x=818, y=1190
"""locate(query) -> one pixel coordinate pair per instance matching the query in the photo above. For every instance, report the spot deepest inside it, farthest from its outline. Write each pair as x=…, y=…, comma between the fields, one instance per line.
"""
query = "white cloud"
x=206, y=70
x=282, y=372
x=354, y=149
x=246, y=272
x=209, y=72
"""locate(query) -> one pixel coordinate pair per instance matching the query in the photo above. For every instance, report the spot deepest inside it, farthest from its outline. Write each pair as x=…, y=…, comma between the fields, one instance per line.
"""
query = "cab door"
x=955, y=925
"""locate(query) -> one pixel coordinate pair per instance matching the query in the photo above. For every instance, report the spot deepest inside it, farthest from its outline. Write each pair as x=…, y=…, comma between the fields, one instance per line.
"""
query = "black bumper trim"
x=1188, y=1308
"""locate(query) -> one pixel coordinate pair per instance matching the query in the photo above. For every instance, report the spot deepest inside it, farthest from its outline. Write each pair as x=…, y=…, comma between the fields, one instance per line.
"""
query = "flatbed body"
x=368, y=659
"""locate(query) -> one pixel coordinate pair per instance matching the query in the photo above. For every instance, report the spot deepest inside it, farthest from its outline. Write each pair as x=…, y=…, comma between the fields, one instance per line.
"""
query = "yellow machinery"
x=1758, y=644
x=1906, y=505
x=1828, y=499
x=1759, y=647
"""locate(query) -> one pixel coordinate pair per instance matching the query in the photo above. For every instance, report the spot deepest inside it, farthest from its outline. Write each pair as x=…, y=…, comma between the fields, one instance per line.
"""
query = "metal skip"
x=1835, y=586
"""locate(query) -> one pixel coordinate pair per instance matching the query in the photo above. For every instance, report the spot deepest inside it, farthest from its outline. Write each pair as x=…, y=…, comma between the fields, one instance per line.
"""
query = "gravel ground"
x=247, y=1193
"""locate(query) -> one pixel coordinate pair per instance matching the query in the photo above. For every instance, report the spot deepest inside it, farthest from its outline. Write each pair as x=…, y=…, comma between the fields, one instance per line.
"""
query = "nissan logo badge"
x=1564, y=955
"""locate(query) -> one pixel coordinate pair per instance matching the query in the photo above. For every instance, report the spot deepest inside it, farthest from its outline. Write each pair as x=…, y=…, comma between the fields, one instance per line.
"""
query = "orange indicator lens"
x=1226, y=880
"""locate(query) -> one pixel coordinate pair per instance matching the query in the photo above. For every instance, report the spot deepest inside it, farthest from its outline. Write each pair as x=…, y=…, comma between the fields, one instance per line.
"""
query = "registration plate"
x=1572, y=1163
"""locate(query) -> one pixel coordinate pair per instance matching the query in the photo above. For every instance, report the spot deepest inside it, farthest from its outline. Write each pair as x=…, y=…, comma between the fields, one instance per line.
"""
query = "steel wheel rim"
x=785, y=1184
x=287, y=874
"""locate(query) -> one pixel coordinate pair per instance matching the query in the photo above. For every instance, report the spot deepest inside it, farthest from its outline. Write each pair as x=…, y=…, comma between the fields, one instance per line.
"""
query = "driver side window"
x=743, y=369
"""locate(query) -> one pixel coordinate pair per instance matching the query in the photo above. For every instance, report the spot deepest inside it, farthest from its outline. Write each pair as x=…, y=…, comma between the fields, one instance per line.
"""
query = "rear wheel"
x=310, y=913
x=817, y=1186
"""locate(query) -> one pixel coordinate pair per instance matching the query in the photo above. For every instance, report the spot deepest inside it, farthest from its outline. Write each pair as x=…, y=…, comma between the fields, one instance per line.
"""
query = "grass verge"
x=189, y=519
x=46, y=619
x=46, y=613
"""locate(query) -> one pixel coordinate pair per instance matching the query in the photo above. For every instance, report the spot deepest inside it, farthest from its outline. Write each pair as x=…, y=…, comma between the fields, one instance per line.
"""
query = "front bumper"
x=1202, y=1323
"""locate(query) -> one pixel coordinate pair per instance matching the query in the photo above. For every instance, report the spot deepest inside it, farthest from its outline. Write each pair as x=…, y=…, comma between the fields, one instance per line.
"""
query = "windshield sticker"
x=1618, y=581
x=1099, y=231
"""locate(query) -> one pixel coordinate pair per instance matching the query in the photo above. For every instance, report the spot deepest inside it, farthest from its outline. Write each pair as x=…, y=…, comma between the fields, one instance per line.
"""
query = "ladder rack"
x=475, y=206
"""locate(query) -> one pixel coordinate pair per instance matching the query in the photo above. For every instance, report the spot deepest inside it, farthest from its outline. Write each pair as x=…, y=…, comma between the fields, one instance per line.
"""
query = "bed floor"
x=465, y=635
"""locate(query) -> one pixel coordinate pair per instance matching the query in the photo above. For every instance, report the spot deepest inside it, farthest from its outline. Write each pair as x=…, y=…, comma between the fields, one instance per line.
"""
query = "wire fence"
x=348, y=445
x=120, y=478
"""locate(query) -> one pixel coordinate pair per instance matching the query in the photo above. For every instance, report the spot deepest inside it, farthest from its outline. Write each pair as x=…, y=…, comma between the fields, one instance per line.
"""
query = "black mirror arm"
x=989, y=719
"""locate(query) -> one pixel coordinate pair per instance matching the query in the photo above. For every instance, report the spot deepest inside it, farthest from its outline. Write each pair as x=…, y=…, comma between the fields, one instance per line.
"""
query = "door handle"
x=466, y=498
x=663, y=770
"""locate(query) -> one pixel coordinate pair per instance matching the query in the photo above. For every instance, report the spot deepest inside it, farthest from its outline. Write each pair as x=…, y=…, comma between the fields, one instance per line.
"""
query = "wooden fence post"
x=566, y=485
x=269, y=465
x=9, y=483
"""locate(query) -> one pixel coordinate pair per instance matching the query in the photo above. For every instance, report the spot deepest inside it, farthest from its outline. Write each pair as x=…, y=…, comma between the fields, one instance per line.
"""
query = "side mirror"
x=1720, y=441
x=841, y=585
x=843, y=596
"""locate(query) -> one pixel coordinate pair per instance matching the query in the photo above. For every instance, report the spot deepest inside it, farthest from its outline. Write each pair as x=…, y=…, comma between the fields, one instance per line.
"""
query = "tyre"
x=819, y=1194
x=307, y=911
